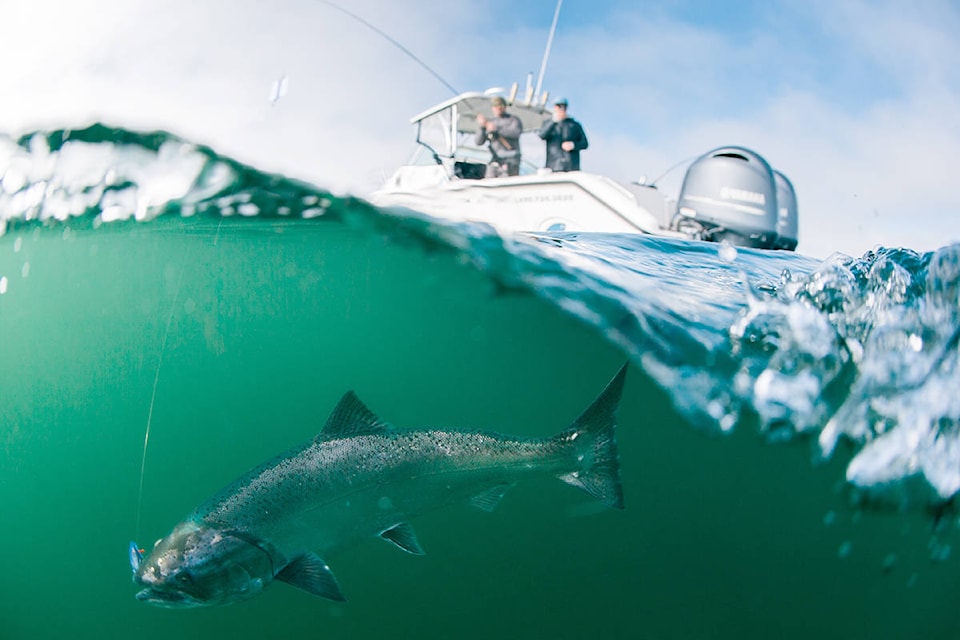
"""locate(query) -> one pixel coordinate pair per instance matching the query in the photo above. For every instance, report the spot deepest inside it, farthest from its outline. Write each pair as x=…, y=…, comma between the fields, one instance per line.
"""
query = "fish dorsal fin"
x=403, y=535
x=352, y=418
x=313, y=575
x=489, y=499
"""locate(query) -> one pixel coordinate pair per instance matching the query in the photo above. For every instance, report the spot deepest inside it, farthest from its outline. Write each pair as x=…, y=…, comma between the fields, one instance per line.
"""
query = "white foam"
x=120, y=181
x=882, y=333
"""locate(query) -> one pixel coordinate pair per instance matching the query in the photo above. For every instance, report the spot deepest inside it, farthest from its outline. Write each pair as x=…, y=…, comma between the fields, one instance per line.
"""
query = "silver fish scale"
x=347, y=488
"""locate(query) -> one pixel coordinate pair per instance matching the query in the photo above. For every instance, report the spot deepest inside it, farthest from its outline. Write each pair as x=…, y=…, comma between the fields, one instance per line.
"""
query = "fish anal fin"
x=403, y=535
x=313, y=575
x=489, y=499
x=352, y=418
x=602, y=485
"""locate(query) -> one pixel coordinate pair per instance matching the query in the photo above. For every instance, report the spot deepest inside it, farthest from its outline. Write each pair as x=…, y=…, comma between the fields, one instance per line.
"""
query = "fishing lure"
x=136, y=556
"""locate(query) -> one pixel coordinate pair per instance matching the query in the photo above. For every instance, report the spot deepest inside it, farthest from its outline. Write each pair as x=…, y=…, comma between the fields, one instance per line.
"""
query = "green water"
x=243, y=333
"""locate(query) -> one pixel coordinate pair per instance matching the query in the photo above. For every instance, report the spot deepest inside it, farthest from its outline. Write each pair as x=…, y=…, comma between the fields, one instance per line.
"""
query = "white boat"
x=729, y=194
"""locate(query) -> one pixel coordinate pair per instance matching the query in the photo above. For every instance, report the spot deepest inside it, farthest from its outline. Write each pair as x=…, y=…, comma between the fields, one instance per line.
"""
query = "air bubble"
x=728, y=253
x=845, y=549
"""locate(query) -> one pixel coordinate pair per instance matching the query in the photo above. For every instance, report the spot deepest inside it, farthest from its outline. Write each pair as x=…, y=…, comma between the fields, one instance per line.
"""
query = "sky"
x=857, y=102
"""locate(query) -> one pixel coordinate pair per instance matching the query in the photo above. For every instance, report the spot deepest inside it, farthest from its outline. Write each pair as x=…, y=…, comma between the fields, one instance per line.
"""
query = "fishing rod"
x=383, y=34
x=394, y=42
x=280, y=87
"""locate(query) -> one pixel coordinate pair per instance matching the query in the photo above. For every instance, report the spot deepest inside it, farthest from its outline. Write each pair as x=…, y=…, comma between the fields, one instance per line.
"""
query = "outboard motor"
x=729, y=194
x=787, y=216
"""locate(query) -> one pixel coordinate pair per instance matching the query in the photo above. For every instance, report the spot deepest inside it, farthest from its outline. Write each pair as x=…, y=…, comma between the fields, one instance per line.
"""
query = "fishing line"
x=153, y=394
x=389, y=39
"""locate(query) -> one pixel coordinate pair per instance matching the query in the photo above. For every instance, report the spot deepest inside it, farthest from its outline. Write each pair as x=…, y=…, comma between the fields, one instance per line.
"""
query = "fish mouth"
x=166, y=599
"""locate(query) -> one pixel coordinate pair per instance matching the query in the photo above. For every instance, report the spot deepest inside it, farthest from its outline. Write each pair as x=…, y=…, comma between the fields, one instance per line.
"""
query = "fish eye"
x=184, y=578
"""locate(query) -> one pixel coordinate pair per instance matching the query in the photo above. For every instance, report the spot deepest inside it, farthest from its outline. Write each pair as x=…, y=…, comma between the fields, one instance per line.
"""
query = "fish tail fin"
x=594, y=445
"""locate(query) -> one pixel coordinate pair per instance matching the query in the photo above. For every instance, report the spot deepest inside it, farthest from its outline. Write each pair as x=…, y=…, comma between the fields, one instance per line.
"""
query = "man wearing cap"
x=502, y=131
x=565, y=139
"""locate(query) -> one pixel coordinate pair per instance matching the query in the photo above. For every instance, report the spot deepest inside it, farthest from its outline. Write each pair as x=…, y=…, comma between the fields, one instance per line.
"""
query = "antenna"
x=669, y=170
x=546, y=52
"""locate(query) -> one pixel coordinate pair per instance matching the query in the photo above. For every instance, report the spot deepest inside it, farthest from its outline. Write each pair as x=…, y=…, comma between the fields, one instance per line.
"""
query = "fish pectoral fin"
x=489, y=499
x=310, y=573
x=403, y=535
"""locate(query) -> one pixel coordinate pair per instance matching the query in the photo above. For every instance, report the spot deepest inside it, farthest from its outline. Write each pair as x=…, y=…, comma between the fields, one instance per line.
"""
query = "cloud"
x=204, y=71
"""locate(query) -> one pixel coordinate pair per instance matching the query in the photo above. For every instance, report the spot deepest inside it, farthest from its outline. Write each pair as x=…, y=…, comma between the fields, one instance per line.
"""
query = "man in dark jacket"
x=565, y=139
x=502, y=131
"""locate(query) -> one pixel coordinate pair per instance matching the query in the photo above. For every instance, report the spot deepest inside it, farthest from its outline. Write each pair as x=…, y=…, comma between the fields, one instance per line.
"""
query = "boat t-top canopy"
x=473, y=103
x=441, y=127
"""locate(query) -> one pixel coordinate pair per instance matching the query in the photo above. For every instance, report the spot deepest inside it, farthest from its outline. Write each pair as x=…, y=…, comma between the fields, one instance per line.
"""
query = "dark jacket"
x=556, y=133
